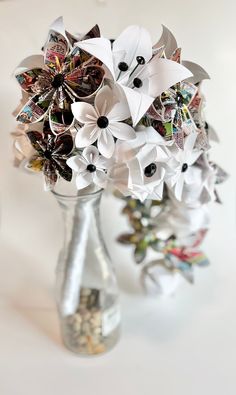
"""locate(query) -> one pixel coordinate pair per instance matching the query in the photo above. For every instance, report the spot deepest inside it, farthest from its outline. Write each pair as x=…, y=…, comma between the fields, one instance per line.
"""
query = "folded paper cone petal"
x=163, y=74
x=199, y=74
x=99, y=47
x=84, y=112
x=138, y=103
x=167, y=40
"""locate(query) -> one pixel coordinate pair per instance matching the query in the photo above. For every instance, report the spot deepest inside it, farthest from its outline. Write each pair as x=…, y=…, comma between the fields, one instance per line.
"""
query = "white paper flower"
x=102, y=122
x=182, y=172
x=133, y=68
x=90, y=167
x=146, y=175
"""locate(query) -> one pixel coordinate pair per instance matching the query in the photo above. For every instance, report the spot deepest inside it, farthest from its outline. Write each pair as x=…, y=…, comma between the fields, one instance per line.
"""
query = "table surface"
x=183, y=344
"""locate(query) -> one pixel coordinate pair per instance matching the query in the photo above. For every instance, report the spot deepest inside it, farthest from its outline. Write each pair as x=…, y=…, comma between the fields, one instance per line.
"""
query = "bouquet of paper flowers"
x=127, y=114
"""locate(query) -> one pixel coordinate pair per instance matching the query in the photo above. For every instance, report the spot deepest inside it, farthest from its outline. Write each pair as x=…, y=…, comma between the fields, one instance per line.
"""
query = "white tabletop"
x=178, y=345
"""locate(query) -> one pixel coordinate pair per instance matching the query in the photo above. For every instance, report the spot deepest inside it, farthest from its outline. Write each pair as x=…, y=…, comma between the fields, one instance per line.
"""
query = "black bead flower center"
x=140, y=60
x=48, y=154
x=137, y=83
x=179, y=99
x=150, y=170
x=102, y=122
x=58, y=81
x=184, y=167
x=122, y=66
x=91, y=168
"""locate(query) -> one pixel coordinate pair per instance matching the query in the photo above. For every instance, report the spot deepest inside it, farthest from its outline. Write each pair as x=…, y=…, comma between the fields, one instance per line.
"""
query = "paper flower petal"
x=28, y=78
x=106, y=144
x=167, y=40
x=104, y=100
x=60, y=119
x=189, y=142
x=163, y=74
x=91, y=154
x=57, y=45
x=99, y=47
x=120, y=110
x=100, y=178
x=122, y=131
x=83, y=180
x=33, y=111
x=84, y=112
x=135, y=41
x=179, y=187
x=199, y=74
x=77, y=163
x=138, y=103
x=29, y=63
x=63, y=144
x=87, y=135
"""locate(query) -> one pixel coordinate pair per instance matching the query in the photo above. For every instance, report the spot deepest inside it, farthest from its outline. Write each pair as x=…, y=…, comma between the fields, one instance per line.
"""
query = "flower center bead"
x=102, y=122
x=184, y=167
x=58, y=81
x=91, y=168
x=48, y=154
x=150, y=170
x=122, y=66
x=140, y=60
x=137, y=83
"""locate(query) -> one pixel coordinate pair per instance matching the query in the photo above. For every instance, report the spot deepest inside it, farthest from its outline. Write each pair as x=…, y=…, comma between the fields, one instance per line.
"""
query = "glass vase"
x=86, y=287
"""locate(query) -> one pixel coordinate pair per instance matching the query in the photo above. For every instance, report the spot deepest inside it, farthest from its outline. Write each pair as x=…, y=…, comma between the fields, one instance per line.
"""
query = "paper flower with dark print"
x=51, y=155
x=171, y=111
x=56, y=79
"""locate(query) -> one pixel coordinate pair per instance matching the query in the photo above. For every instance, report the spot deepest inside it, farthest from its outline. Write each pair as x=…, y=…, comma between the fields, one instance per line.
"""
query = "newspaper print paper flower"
x=102, y=122
x=51, y=155
x=91, y=168
x=56, y=80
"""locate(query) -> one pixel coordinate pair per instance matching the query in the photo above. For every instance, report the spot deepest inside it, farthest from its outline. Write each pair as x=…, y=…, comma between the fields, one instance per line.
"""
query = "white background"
x=181, y=345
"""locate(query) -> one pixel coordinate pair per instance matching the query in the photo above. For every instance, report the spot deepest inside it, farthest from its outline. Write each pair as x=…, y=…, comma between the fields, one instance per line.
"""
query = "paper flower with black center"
x=56, y=79
x=90, y=167
x=181, y=171
x=102, y=122
x=51, y=155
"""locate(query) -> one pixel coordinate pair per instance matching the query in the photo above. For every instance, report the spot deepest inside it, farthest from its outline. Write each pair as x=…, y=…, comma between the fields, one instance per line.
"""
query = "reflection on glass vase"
x=87, y=293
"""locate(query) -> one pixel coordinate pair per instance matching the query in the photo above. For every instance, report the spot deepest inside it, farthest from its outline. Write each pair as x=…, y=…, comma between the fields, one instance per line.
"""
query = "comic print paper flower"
x=51, y=155
x=56, y=80
x=181, y=172
x=102, y=122
x=91, y=168
x=138, y=74
x=172, y=109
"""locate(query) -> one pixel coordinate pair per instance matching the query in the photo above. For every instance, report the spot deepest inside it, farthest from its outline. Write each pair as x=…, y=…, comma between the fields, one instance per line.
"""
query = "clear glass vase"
x=86, y=287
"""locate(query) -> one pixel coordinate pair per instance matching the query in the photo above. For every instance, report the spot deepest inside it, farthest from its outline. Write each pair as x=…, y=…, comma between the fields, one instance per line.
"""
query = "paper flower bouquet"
x=124, y=114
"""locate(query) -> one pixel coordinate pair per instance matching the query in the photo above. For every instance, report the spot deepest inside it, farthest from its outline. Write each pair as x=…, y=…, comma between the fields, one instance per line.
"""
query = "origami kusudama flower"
x=55, y=80
x=136, y=71
x=102, y=122
x=181, y=171
x=91, y=168
x=51, y=155
x=146, y=159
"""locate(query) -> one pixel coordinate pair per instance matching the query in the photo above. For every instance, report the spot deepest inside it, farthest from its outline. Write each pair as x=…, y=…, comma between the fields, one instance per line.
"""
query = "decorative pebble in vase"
x=87, y=293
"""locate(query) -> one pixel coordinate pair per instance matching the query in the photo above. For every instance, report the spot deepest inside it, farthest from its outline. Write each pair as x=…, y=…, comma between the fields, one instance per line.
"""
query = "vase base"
x=92, y=330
